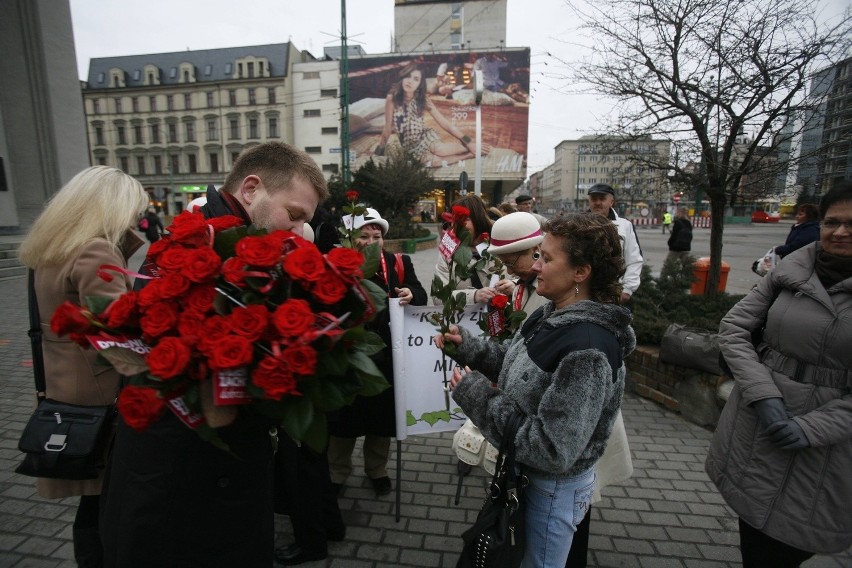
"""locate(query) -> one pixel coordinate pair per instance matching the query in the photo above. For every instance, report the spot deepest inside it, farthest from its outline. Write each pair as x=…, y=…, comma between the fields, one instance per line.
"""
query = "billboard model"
x=426, y=105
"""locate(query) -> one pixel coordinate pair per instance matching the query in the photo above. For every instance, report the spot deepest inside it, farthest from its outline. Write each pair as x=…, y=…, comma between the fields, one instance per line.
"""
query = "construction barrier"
x=697, y=222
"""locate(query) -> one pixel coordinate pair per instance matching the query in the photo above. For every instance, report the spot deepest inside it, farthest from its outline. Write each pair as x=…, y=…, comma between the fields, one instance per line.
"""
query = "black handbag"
x=496, y=539
x=61, y=440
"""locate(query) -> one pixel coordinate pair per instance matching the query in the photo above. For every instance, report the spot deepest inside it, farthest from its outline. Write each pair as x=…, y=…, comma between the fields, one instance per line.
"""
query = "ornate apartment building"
x=177, y=121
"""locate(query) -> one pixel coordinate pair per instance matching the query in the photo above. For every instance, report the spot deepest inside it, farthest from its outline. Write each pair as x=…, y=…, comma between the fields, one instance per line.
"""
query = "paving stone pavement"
x=667, y=515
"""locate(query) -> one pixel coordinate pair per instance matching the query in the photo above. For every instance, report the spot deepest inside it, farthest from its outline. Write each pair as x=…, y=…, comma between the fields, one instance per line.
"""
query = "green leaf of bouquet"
x=378, y=294
x=125, y=361
x=335, y=363
x=225, y=244
x=373, y=385
x=364, y=366
x=461, y=301
x=325, y=394
x=517, y=316
x=372, y=258
x=97, y=304
x=296, y=415
x=316, y=434
x=462, y=256
x=371, y=344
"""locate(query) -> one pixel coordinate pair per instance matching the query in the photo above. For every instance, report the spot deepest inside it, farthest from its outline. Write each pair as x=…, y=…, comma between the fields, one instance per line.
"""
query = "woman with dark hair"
x=404, y=108
x=564, y=373
x=804, y=232
x=478, y=288
x=782, y=453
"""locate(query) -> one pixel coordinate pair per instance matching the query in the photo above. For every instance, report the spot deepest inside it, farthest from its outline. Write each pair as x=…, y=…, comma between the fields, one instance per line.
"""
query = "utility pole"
x=344, y=97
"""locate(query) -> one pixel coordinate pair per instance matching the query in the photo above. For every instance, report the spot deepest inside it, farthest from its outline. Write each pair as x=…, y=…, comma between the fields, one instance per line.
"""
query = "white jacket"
x=632, y=252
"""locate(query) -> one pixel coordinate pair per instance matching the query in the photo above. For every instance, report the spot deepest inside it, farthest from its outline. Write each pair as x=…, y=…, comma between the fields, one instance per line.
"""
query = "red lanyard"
x=385, y=268
x=520, y=296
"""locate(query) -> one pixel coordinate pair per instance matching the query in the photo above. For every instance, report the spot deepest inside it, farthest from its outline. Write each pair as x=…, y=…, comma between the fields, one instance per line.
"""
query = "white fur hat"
x=515, y=232
x=370, y=217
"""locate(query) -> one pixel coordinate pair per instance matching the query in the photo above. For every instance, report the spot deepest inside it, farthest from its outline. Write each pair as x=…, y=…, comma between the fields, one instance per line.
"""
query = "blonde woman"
x=88, y=223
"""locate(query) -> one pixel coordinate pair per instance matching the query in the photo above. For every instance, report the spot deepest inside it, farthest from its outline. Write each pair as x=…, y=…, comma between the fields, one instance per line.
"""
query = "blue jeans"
x=554, y=508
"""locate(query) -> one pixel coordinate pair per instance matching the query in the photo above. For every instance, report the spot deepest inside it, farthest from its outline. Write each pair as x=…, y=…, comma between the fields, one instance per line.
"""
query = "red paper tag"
x=105, y=341
x=229, y=387
x=182, y=411
x=449, y=244
x=496, y=322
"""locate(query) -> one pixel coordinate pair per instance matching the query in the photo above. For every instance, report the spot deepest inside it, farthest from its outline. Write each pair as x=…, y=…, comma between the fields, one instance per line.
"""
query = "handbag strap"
x=35, y=337
x=504, y=479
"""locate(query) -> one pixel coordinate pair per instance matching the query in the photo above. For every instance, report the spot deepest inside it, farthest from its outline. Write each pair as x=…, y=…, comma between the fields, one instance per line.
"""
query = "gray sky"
x=104, y=28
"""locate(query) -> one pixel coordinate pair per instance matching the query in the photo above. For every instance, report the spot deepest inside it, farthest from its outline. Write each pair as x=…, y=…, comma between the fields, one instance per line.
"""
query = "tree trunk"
x=717, y=224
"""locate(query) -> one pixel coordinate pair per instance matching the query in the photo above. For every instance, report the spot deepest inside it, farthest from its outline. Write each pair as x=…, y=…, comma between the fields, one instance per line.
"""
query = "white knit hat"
x=370, y=217
x=515, y=232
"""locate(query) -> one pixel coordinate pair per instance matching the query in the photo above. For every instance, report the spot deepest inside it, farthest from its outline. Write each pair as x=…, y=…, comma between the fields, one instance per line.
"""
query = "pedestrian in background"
x=680, y=240
x=152, y=225
x=88, y=223
x=782, y=452
x=804, y=232
x=667, y=222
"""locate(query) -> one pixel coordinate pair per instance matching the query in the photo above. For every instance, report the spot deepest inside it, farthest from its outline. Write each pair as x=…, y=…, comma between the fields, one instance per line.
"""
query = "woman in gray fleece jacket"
x=564, y=372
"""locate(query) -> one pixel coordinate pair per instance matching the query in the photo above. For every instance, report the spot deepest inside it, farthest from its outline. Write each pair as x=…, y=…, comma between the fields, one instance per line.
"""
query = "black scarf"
x=832, y=268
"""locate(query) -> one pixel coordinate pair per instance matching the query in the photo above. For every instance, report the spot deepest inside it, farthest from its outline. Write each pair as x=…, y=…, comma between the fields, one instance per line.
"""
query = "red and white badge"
x=496, y=322
x=229, y=387
x=449, y=243
x=178, y=406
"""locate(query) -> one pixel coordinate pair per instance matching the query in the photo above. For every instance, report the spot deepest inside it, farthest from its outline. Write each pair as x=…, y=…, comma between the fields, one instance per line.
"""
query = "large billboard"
x=426, y=104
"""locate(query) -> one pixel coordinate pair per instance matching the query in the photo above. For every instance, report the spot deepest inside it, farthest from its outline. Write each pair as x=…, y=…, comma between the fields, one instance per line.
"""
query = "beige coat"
x=71, y=373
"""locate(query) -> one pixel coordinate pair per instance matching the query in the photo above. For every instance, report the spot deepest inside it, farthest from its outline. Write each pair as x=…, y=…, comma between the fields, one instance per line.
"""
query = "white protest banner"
x=422, y=404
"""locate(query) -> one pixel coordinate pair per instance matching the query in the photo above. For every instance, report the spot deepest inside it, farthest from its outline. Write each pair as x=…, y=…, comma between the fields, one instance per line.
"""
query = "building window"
x=186, y=76
x=173, y=72
x=158, y=165
x=101, y=77
x=234, y=126
x=192, y=164
x=260, y=68
x=250, y=66
x=253, y=128
x=187, y=101
x=137, y=134
x=329, y=130
x=332, y=168
x=155, y=133
x=170, y=102
x=239, y=70
x=212, y=131
x=175, y=162
x=101, y=160
x=140, y=165
x=122, y=161
x=228, y=68
x=232, y=97
x=118, y=105
x=252, y=99
x=310, y=75
x=96, y=106
x=122, y=139
x=328, y=93
x=312, y=112
x=99, y=135
x=152, y=102
x=190, y=132
x=214, y=163
x=135, y=103
x=313, y=149
x=210, y=99
x=273, y=127
x=208, y=69
x=270, y=93
x=173, y=132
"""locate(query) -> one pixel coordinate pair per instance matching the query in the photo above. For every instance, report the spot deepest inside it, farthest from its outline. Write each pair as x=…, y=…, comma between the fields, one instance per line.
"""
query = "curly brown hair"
x=589, y=238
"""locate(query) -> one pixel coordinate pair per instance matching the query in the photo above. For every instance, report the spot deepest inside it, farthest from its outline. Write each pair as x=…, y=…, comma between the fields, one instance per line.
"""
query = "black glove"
x=379, y=151
x=770, y=410
x=788, y=435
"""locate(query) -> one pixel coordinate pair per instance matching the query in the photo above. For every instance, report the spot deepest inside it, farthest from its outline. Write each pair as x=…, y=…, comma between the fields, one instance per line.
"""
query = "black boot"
x=88, y=551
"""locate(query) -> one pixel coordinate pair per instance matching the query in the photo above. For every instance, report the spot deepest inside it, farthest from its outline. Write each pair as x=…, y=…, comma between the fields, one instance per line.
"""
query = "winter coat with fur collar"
x=564, y=371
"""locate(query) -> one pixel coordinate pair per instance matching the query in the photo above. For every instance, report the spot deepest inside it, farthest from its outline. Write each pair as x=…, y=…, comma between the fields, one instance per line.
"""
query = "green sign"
x=192, y=188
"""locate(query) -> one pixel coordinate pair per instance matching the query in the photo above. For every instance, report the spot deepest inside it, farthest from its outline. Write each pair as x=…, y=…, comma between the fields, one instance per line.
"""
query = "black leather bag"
x=65, y=441
x=691, y=347
x=496, y=539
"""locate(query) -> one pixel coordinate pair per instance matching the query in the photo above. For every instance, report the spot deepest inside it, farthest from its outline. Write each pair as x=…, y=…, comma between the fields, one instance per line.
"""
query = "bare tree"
x=703, y=72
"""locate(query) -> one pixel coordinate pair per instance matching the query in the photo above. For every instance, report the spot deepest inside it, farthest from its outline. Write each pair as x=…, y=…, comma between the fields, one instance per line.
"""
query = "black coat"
x=374, y=415
x=799, y=236
x=680, y=239
x=170, y=499
x=155, y=227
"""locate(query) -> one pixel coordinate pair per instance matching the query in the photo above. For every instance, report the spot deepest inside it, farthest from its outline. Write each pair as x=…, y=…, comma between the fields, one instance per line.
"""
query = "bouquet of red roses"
x=237, y=318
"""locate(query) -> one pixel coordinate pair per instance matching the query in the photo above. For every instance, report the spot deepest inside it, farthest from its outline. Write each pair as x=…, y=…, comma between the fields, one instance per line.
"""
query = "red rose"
x=191, y=327
x=189, y=229
x=199, y=299
x=306, y=264
x=203, y=264
x=293, y=318
x=168, y=358
x=262, y=251
x=157, y=248
x=274, y=378
x=173, y=259
x=152, y=293
x=215, y=328
x=231, y=351
x=352, y=195
x=225, y=222
x=159, y=319
x=233, y=270
x=301, y=359
x=329, y=290
x=122, y=311
x=499, y=301
x=460, y=214
x=173, y=285
x=140, y=406
x=348, y=261
x=249, y=322
x=71, y=318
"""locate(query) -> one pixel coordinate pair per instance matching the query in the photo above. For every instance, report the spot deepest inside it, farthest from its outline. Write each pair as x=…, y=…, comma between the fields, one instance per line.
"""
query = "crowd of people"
x=780, y=457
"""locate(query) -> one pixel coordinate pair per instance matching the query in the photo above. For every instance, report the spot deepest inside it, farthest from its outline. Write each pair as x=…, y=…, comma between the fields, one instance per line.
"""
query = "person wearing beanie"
x=526, y=203
x=601, y=201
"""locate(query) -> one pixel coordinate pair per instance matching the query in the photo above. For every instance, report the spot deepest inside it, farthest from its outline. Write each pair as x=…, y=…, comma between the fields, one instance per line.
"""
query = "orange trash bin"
x=701, y=269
